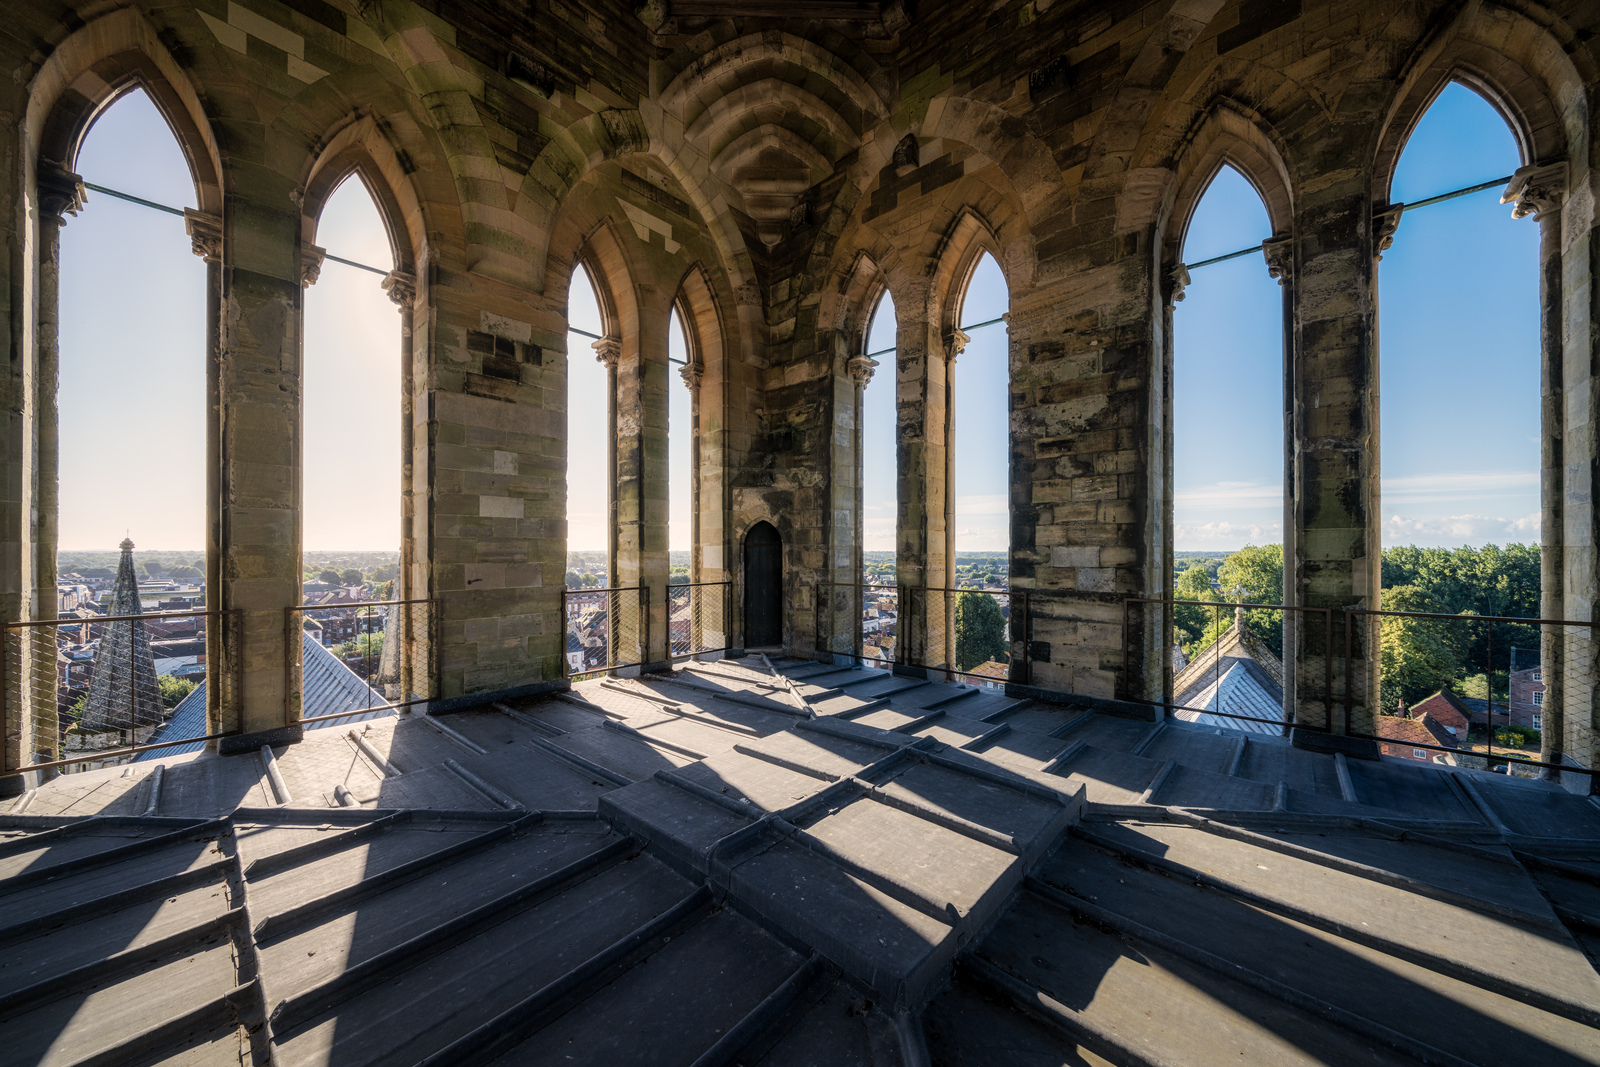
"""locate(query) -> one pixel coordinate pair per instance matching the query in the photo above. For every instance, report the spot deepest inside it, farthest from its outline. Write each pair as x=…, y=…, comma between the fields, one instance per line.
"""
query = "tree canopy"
x=980, y=631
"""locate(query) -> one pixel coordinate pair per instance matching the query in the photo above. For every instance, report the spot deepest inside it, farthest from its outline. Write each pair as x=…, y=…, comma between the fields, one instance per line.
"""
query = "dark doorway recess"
x=763, y=586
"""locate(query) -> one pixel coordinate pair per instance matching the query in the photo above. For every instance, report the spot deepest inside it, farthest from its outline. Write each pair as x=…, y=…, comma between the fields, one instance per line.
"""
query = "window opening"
x=980, y=454
x=1461, y=423
x=680, y=462
x=880, y=493
x=131, y=316
x=1227, y=451
x=588, y=444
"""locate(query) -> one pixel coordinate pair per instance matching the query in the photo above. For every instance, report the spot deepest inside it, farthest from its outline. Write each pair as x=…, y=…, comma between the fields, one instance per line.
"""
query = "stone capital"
x=1174, y=280
x=607, y=350
x=311, y=257
x=957, y=344
x=61, y=192
x=1384, y=224
x=860, y=369
x=1536, y=189
x=691, y=373
x=205, y=234
x=1279, y=254
x=402, y=288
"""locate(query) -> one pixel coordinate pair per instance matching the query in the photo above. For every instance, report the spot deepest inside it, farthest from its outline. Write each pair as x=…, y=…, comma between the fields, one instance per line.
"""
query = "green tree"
x=351, y=576
x=186, y=573
x=367, y=646
x=1416, y=656
x=980, y=631
x=328, y=576
x=173, y=690
x=1190, y=622
x=1254, y=575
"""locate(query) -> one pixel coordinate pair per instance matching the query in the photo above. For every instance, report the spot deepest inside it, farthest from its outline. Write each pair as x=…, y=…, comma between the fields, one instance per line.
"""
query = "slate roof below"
x=1240, y=687
x=328, y=686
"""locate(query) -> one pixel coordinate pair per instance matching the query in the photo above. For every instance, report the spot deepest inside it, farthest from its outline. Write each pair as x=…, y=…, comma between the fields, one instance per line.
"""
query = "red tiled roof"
x=1423, y=730
x=1444, y=708
x=992, y=669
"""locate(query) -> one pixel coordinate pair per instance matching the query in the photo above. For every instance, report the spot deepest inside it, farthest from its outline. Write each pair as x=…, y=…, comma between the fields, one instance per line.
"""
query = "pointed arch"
x=1517, y=65
x=1227, y=134
x=359, y=146
x=92, y=68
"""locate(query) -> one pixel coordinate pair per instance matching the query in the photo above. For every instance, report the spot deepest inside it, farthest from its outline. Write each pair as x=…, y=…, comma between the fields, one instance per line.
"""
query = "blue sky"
x=132, y=360
x=1459, y=380
x=1459, y=376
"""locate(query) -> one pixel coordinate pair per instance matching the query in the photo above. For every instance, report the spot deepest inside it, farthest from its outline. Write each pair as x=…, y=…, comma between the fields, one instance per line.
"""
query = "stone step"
x=298, y=959
x=1380, y=995
x=1139, y=1003
x=674, y=1005
x=1536, y=964
x=679, y=822
x=888, y=946
x=424, y=1006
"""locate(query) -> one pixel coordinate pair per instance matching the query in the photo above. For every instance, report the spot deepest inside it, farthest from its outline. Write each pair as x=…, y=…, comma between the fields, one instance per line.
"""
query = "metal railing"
x=697, y=619
x=388, y=652
x=1340, y=668
x=603, y=629
x=1149, y=644
x=946, y=635
x=86, y=690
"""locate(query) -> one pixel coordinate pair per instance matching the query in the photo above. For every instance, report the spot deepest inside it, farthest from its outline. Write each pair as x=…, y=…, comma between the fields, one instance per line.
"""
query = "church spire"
x=123, y=693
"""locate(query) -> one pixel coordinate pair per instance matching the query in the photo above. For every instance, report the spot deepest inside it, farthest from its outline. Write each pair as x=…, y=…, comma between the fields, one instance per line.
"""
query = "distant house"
x=1406, y=736
x=1527, y=698
x=1447, y=710
x=991, y=674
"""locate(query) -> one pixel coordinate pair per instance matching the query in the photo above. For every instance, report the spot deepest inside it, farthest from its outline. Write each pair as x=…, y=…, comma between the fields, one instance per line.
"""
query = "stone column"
x=608, y=352
x=1567, y=659
x=1333, y=494
x=840, y=614
x=60, y=194
x=922, y=526
x=1152, y=679
x=692, y=373
x=1304, y=641
x=254, y=435
x=413, y=634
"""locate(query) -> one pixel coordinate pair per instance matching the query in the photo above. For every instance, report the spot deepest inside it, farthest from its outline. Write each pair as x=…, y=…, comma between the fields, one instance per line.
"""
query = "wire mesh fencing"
x=977, y=636
x=351, y=660
x=697, y=614
x=859, y=622
x=88, y=690
x=603, y=629
x=1484, y=692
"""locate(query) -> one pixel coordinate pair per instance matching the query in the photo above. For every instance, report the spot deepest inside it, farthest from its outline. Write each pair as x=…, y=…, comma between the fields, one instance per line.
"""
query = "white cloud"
x=1219, y=536
x=1449, y=531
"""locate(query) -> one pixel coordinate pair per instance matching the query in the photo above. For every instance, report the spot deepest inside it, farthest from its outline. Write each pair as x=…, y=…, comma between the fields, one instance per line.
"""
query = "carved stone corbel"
x=1279, y=254
x=61, y=192
x=1174, y=280
x=311, y=257
x=860, y=369
x=691, y=373
x=1536, y=189
x=402, y=288
x=607, y=350
x=205, y=234
x=1384, y=225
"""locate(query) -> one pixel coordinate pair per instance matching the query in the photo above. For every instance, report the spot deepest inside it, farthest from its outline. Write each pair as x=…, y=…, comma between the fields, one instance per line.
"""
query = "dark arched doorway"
x=763, y=586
